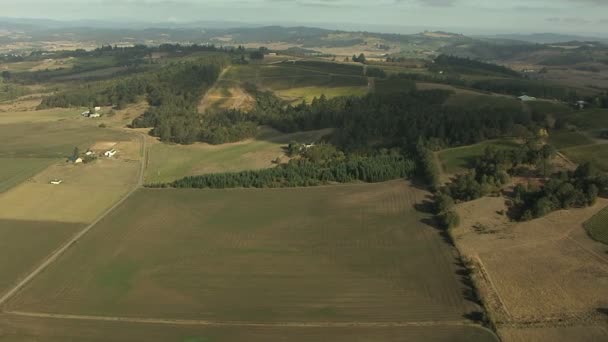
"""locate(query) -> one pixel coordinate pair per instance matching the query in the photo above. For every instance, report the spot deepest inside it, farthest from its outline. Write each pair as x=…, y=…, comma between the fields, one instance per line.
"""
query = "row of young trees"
x=321, y=164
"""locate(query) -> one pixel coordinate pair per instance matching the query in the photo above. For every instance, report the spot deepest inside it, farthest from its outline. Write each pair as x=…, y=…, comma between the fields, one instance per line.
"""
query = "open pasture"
x=460, y=159
x=589, y=119
x=169, y=162
x=16, y=328
x=354, y=253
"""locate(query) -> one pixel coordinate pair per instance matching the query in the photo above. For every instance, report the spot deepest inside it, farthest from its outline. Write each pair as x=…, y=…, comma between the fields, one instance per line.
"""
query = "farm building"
x=110, y=153
x=89, y=153
x=94, y=115
x=56, y=181
x=78, y=161
x=527, y=98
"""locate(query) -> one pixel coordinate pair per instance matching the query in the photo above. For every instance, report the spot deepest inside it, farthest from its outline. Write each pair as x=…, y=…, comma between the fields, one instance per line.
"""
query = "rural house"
x=526, y=98
x=110, y=153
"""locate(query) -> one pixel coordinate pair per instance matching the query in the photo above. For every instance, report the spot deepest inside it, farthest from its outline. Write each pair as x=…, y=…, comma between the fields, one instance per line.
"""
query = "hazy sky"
x=576, y=16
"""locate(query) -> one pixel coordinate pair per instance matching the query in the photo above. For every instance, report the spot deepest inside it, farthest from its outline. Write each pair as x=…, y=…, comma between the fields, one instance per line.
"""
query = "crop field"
x=326, y=254
x=285, y=76
x=564, y=139
x=596, y=154
x=52, y=139
x=171, y=162
x=556, y=334
x=16, y=328
x=86, y=191
x=15, y=170
x=393, y=86
x=40, y=238
x=597, y=226
x=459, y=159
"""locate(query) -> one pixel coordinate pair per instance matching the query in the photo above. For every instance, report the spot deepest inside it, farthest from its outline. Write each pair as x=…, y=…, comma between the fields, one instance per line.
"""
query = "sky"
x=462, y=16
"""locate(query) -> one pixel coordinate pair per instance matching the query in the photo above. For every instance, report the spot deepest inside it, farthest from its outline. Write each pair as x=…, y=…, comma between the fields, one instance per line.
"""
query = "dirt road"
x=57, y=253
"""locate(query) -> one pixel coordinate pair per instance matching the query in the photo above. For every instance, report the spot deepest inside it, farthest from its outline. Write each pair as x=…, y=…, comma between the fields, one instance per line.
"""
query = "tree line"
x=319, y=165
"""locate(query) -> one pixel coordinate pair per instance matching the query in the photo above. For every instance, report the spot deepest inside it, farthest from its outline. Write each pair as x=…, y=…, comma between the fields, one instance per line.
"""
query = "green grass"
x=309, y=93
x=52, y=139
x=594, y=119
x=287, y=76
x=597, y=226
x=171, y=162
x=394, y=85
x=459, y=159
x=353, y=253
x=477, y=101
x=596, y=154
x=15, y=170
x=564, y=139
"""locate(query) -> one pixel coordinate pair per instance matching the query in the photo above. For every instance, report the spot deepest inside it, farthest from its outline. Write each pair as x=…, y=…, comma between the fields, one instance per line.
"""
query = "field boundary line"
x=243, y=323
x=57, y=253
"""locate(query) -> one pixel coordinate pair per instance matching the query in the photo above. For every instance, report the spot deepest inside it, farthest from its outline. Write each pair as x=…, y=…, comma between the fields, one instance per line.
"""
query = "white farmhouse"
x=56, y=181
x=94, y=115
x=78, y=161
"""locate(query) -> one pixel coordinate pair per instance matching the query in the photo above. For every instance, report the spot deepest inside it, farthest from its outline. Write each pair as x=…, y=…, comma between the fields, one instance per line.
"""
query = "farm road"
x=245, y=324
x=56, y=254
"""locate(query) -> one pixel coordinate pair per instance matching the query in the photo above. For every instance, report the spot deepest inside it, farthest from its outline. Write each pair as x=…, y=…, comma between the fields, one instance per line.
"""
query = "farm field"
x=285, y=76
x=309, y=93
x=589, y=118
x=171, y=162
x=459, y=159
x=53, y=139
x=15, y=170
x=327, y=254
x=556, y=334
x=597, y=226
x=16, y=328
x=40, y=237
x=596, y=154
x=564, y=275
x=37, y=116
x=87, y=190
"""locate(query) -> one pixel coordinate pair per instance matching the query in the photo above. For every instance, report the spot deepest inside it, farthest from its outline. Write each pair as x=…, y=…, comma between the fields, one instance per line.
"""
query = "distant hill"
x=547, y=38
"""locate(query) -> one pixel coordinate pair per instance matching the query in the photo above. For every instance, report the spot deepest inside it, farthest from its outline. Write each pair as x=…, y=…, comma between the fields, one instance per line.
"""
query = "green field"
x=52, y=139
x=594, y=119
x=596, y=154
x=25, y=244
x=356, y=253
x=565, y=139
x=171, y=162
x=309, y=93
x=460, y=159
x=597, y=226
x=15, y=170
x=286, y=76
